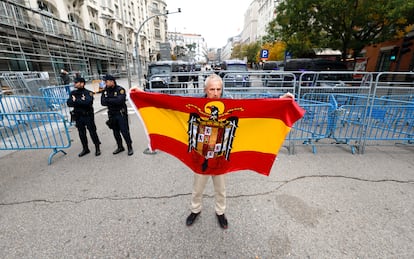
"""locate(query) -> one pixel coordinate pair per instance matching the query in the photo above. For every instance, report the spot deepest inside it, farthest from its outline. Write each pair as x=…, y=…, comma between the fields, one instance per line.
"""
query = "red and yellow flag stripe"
x=262, y=127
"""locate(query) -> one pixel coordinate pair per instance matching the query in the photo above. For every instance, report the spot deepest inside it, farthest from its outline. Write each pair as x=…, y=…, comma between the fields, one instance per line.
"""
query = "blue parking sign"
x=264, y=54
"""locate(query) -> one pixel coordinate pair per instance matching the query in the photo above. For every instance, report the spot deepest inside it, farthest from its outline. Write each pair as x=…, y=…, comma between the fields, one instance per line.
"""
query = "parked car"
x=271, y=77
x=273, y=65
x=299, y=66
x=235, y=73
x=314, y=64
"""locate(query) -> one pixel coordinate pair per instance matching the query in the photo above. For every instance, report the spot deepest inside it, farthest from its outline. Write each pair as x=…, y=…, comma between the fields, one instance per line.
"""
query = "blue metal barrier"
x=40, y=130
x=10, y=104
x=342, y=107
x=55, y=91
x=401, y=97
x=315, y=125
x=34, y=122
x=353, y=119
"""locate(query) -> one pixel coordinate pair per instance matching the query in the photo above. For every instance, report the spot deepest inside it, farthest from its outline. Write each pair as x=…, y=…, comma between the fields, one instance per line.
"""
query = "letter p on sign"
x=264, y=54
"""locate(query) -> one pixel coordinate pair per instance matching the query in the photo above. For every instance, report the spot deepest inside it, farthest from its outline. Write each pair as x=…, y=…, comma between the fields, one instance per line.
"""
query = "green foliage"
x=338, y=24
x=248, y=51
x=236, y=53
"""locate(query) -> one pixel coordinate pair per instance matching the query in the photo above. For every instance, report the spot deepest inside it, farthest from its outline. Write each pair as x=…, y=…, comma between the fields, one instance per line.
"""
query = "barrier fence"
x=24, y=83
x=35, y=122
x=37, y=130
x=342, y=108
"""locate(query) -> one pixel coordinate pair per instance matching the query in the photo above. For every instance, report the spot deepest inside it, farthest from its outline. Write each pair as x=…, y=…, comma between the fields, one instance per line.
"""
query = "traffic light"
x=394, y=53
x=405, y=46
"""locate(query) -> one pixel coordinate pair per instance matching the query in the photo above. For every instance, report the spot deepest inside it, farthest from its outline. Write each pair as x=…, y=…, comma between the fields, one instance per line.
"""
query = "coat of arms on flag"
x=211, y=136
x=217, y=136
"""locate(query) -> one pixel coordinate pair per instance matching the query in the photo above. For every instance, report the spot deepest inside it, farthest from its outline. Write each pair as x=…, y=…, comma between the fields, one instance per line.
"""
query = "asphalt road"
x=327, y=205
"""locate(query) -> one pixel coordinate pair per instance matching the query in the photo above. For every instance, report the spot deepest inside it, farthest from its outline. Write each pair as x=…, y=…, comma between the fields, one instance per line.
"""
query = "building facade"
x=91, y=37
x=265, y=14
x=249, y=33
x=188, y=46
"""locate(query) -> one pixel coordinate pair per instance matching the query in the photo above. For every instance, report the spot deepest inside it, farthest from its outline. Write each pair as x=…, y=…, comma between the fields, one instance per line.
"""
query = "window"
x=157, y=34
x=157, y=22
x=384, y=63
x=43, y=6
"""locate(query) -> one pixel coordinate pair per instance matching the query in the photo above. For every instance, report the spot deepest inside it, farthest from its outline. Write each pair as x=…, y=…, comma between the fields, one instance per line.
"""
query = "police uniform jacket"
x=114, y=98
x=83, y=105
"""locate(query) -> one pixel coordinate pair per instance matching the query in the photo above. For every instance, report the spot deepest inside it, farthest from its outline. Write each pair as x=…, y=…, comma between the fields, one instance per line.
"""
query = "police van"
x=235, y=73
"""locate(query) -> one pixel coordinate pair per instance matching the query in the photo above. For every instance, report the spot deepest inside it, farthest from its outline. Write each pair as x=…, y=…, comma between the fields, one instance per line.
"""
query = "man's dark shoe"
x=118, y=150
x=222, y=221
x=190, y=219
x=84, y=152
x=130, y=151
x=97, y=150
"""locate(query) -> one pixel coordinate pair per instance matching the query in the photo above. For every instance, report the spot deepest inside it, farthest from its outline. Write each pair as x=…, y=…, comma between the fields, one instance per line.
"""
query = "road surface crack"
x=283, y=183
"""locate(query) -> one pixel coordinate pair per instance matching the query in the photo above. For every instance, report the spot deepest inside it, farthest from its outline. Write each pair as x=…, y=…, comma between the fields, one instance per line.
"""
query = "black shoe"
x=222, y=221
x=97, y=150
x=190, y=219
x=84, y=152
x=130, y=151
x=118, y=150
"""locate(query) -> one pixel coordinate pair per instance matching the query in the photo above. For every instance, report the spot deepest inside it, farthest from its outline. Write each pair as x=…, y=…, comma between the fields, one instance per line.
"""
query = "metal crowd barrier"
x=58, y=92
x=56, y=97
x=40, y=130
x=15, y=104
x=356, y=109
x=34, y=122
x=251, y=86
x=342, y=108
x=24, y=83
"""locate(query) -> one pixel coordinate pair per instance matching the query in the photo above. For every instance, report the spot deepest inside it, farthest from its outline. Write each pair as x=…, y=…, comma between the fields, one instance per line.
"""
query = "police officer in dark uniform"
x=114, y=97
x=81, y=100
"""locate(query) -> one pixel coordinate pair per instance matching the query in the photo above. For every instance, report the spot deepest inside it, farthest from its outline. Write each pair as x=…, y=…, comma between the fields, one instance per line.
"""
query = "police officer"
x=114, y=97
x=81, y=100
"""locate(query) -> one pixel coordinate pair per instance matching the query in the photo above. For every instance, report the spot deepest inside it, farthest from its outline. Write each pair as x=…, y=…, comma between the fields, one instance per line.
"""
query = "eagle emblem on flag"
x=211, y=131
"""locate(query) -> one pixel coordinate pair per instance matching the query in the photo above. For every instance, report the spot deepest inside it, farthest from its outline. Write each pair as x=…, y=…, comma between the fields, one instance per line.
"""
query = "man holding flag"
x=201, y=132
x=213, y=89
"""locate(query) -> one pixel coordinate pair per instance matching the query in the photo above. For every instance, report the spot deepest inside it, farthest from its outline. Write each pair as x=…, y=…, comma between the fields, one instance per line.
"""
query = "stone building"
x=90, y=37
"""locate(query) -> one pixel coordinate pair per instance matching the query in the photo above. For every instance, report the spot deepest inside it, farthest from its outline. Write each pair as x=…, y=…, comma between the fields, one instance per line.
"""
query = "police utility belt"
x=74, y=115
x=122, y=112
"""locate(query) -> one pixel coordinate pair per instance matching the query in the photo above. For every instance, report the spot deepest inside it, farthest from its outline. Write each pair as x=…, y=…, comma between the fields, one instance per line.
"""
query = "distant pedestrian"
x=81, y=100
x=114, y=97
x=64, y=75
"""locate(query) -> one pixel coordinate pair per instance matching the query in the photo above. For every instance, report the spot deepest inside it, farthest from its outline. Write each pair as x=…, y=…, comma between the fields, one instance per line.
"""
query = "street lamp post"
x=137, y=41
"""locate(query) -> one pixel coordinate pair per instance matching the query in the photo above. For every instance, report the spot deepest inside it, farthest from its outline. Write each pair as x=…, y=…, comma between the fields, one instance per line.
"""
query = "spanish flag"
x=217, y=136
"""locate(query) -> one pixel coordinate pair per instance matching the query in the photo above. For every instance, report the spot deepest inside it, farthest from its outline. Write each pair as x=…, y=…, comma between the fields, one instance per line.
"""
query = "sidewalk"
x=327, y=205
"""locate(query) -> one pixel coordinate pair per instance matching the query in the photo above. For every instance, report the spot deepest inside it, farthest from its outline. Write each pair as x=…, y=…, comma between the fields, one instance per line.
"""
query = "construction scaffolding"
x=33, y=40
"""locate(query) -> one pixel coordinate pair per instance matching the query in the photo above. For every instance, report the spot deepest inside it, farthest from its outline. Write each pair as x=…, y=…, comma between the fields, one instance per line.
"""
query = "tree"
x=339, y=24
x=191, y=50
x=248, y=51
x=251, y=51
x=180, y=51
x=237, y=51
